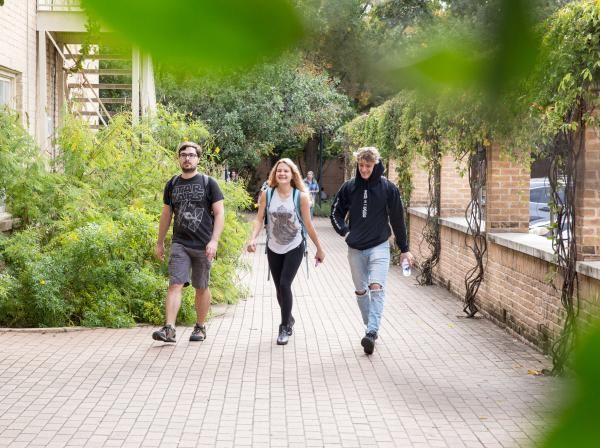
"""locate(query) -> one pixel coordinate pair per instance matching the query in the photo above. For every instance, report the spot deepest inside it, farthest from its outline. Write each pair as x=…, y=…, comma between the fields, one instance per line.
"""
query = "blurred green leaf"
x=578, y=425
x=438, y=66
x=460, y=55
x=220, y=34
x=518, y=46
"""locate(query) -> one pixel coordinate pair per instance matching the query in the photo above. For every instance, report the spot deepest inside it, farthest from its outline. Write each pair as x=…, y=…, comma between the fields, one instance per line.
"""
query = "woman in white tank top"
x=285, y=246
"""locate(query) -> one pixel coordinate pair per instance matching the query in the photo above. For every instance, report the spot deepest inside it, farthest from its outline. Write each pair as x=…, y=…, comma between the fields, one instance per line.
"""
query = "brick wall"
x=507, y=193
x=420, y=183
x=333, y=176
x=391, y=172
x=587, y=200
x=514, y=291
x=455, y=190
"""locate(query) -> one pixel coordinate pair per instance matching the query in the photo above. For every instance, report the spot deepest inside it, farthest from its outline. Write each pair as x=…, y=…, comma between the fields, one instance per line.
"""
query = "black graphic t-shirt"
x=191, y=203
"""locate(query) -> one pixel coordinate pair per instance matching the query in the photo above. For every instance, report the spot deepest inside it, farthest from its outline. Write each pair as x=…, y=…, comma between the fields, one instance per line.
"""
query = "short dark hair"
x=184, y=145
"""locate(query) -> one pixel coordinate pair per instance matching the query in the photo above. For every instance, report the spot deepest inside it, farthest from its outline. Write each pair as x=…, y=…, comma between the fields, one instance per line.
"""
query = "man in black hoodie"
x=362, y=211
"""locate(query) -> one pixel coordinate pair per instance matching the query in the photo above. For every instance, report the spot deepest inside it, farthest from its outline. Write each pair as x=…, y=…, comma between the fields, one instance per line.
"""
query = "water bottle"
x=405, y=268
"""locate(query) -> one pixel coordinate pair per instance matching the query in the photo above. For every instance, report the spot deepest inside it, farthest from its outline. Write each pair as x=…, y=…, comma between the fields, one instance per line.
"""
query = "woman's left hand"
x=319, y=256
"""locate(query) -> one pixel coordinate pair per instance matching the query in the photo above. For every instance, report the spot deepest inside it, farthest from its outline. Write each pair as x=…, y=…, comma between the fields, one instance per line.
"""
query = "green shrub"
x=85, y=255
x=323, y=209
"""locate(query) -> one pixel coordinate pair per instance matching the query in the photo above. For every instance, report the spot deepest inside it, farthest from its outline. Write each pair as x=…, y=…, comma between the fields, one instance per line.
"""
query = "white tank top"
x=283, y=224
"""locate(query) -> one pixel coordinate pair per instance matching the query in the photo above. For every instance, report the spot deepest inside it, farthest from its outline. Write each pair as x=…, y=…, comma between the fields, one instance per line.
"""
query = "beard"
x=188, y=170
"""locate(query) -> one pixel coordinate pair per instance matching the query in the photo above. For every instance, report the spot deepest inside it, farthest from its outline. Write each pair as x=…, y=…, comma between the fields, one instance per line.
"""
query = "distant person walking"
x=371, y=203
x=313, y=189
x=285, y=208
x=196, y=202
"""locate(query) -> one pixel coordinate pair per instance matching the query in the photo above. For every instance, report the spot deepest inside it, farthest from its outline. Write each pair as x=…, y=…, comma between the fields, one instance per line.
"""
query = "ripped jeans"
x=369, y=267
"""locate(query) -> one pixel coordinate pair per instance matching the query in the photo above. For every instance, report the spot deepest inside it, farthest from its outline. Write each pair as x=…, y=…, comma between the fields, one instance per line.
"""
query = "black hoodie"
x=372, y=205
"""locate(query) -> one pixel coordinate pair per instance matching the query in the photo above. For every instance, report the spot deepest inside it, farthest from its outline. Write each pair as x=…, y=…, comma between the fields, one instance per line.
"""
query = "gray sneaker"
x=165, y=334
x=198, y=333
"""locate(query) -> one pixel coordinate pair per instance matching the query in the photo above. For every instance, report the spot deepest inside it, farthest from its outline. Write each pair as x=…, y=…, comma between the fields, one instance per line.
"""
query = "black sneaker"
x=165, y=334
x=368, y=342
x=283, y=337
x=198, y=333
x=290, y=327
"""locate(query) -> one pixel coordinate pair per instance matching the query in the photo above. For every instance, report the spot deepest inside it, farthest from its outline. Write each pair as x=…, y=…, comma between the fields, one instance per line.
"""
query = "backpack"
x=296, y=200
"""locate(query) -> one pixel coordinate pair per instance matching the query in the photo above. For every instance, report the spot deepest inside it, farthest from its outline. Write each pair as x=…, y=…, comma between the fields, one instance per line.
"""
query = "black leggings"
x=283, y=269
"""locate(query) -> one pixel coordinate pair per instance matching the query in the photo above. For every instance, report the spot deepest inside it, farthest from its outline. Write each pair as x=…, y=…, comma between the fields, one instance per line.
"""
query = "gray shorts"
x=183, y=260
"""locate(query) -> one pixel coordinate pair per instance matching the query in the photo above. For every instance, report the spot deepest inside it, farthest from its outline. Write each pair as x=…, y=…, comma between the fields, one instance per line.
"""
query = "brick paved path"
x=435, y=380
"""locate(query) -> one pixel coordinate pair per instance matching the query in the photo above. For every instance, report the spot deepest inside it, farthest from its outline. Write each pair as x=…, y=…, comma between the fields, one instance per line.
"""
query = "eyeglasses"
x=188, y=156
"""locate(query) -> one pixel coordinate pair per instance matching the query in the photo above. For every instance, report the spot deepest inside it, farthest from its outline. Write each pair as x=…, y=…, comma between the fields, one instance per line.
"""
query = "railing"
x=58, y=5
x=84, y=84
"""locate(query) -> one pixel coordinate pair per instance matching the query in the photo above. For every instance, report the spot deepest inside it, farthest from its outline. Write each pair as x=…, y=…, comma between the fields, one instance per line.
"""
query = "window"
x=5, y=95
x=540, y=194
x=7, y=89
x=8, y=81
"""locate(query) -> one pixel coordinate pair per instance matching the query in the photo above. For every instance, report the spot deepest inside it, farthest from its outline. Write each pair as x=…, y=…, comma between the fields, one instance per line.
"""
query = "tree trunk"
x=311, y=156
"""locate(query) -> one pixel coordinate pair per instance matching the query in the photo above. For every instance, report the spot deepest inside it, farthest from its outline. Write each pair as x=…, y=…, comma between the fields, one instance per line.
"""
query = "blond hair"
x=296, y=182
x=368, y=154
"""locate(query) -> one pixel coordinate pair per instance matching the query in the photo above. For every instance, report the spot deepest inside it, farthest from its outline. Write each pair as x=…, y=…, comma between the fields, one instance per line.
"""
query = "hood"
x=374, y=178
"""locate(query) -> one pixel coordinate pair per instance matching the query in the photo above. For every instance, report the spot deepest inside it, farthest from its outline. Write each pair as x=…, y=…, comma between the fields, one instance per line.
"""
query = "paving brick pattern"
x=435, y=379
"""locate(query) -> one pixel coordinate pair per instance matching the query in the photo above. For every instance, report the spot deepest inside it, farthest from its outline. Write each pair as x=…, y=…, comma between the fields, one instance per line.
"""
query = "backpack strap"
x=297, y=208
x=170, y=186
x=205, y=181
x=269, y=192
x=296, y=195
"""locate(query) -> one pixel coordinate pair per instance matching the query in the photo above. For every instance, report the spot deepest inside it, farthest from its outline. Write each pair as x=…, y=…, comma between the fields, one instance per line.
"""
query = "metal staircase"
x=97, y=91
x=103, y=82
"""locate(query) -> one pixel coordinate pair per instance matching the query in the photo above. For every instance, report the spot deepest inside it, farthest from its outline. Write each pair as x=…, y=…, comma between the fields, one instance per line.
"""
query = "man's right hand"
x=251, y=246
x=159, y=251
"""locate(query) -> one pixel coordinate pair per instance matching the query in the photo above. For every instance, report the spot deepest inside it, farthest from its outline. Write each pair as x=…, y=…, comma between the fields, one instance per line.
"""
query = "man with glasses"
x=196, y=202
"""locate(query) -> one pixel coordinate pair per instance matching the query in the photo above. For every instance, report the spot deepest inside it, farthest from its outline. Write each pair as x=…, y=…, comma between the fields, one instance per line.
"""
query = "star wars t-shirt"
x=191, y=203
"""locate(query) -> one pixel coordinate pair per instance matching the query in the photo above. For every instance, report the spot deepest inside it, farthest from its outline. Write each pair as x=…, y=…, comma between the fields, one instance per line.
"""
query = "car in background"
x=540, y=216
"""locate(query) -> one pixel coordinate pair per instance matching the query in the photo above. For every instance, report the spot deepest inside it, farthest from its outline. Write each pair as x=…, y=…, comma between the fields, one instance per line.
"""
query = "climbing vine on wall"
x=563, y=103
x=431, y=230
x=425, y=134
x=563, y=170
x=475, y=238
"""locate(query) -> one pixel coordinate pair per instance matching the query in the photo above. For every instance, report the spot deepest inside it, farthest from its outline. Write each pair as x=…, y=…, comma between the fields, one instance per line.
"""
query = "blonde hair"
x=296, y=182
x=368, y=154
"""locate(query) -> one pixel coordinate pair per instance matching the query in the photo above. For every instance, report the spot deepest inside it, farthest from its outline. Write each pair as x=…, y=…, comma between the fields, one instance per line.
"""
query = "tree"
x=349, y=37
x=269, y=111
